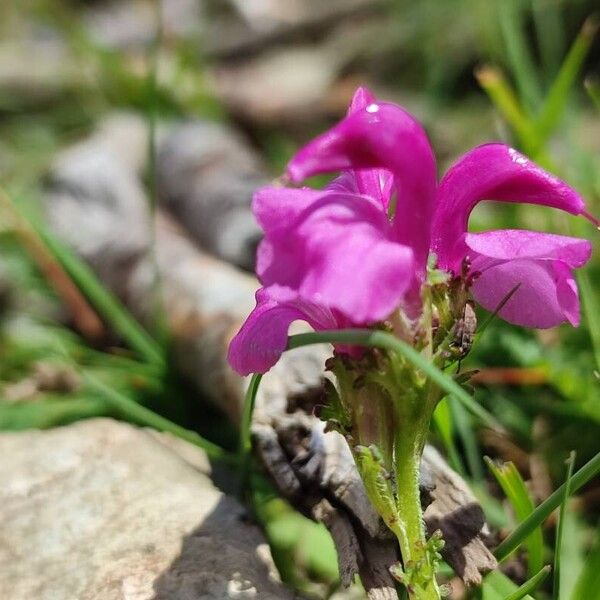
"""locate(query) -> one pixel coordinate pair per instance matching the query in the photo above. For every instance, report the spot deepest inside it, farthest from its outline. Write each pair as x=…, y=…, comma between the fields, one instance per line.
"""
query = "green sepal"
x=334, y=413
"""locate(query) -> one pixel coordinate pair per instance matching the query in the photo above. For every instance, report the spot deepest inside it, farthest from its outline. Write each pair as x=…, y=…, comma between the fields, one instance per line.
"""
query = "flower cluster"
x=356, y=253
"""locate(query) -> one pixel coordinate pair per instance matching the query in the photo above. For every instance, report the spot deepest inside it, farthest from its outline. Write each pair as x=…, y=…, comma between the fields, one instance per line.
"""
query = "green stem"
x=413, y=542
x=409, y=503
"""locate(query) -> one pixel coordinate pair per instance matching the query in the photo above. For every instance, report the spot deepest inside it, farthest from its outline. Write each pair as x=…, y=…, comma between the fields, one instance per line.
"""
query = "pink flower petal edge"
x=381, y=135
x=341, y=252
x=491, y=172
x=540, y=264
x=263, y=337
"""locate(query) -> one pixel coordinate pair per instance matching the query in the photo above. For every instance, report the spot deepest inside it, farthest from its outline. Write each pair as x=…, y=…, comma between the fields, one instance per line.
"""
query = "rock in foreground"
x=102, y=510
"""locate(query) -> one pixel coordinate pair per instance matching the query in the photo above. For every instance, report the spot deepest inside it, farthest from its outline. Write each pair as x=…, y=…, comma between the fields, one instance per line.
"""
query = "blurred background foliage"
x=526, y=71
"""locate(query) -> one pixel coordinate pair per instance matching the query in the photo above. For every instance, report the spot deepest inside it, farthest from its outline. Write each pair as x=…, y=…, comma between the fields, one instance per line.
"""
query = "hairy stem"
x=413, y=543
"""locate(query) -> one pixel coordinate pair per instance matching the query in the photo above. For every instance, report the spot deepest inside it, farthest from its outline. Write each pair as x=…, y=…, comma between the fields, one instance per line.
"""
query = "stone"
x=105, y=511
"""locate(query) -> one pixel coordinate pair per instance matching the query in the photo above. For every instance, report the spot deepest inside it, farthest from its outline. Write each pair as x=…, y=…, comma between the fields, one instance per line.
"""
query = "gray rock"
x=102, y=510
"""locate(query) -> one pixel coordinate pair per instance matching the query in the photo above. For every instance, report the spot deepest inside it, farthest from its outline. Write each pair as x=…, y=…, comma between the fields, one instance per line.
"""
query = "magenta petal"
x=381, y=136
x=508, y=244
x=361, y=99
x=491, y=172
x=567, y=293
x=274, y=207
x=376, y=183
x=340, y=252
x=536, y=302
x=263, y=337
x=539, y=263
x=345, y=182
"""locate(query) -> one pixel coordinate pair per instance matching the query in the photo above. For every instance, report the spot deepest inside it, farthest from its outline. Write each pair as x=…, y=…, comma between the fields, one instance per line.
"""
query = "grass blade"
x=505, y=100
x=106, y=304
x=84, y=317
x=245, y=447
x=466, y=431
x=86, y=281
x=516, y=491
x=141, y=415
x=45, y=414
x=558, y=95
x=561, y=526
x=543, y=511
x=591, y=309
x=381, y=339
x=530, y=585
x=593, y=89
x=511, y=20
x=359, y=337
x=497, y=586
x=550, y=34
x=249, y=403
x=444, y=423
x=588, y=581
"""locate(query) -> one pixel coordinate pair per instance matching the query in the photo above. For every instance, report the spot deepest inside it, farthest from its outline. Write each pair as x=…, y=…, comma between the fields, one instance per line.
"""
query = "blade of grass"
x=511, y=19
x=84, y=317
x=592, y=87
x=44, y=414
x=543, y=511
x=588, y=581
x=574, y=548
x=561, y=526
x=86, y=281
x=248, y=409
x=152, y=111
x=497, y=586
x=516, y=491
x=245, y=448
x=466, y=431
x=106, y=304
x=505, y=100
x=531, y=584
x=444, y=423
x=591, y=309
x=556, y=100
x=386, y=341
x=550, y=34
x=141, y=415
x=358, y=337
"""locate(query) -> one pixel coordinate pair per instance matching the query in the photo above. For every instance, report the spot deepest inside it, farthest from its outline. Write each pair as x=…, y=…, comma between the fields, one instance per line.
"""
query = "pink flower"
x=351, y=254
